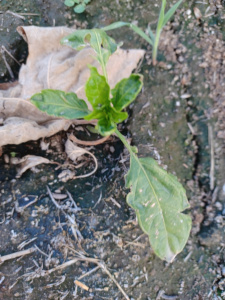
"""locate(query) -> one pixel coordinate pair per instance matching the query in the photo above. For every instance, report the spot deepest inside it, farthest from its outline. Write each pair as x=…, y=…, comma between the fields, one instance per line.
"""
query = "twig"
x=88, y=143
x=42, y=252
x=81, y=285
x=25, y=243
x=73, y=224
x=6, y=64
x=29, y=14
x=4, y=49
x=89, y=273
x=99, y=199
x=103, y=267
x=188, y=256
x=20, y=209
x=15, y=15
x=16, y=254
x=134, y=241
x=72, y=200
x=212, y=159
x=115, y=202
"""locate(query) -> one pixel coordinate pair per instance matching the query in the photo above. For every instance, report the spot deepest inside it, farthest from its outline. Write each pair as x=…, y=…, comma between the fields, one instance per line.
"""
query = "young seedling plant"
x=80, y=5
x=156, y=196
x=150, y=37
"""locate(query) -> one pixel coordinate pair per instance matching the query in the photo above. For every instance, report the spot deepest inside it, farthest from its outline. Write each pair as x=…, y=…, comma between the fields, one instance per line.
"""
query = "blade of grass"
x=158, y=32
x=171, y=12
x=151, y=34
x=135, y=28
x=161, y=16
x=115, y=25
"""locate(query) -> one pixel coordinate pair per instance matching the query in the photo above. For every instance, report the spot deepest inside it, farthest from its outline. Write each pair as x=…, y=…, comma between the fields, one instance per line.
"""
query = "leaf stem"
x=124, y=141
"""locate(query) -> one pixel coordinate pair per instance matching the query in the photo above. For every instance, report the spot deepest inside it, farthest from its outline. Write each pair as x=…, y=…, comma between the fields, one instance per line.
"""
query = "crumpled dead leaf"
x=51, y=65
x=74, y=153
x=28, y=162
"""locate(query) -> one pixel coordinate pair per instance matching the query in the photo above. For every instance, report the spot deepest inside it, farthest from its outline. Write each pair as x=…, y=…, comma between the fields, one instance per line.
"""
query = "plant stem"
x=155, y=47
x=124, y=141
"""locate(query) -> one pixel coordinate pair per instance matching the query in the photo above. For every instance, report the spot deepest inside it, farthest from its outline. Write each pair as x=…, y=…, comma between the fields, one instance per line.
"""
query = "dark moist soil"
x=178, y=119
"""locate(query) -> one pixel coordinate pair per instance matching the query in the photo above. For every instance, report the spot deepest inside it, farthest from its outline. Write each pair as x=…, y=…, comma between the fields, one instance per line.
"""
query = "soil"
x=178, y=119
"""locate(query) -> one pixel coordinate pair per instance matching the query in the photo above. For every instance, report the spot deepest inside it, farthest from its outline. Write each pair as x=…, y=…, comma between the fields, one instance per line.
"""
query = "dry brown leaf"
x=74, y=153
x=28, y=162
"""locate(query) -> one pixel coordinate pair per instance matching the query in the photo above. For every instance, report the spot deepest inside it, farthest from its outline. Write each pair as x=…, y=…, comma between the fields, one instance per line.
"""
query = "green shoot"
x=80, y=5
x=103, y=45
x=156, y=196
x=151, y=38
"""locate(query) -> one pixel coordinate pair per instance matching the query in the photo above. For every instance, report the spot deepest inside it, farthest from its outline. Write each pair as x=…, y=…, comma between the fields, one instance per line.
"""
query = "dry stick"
x=89, y=273
x=103, y=267
x=16, y=254
x=15, y=15
x=6, y=64
x=88, y=143
x=212, y=158
x=4, y=49
x=25, y=243
x=73, y=224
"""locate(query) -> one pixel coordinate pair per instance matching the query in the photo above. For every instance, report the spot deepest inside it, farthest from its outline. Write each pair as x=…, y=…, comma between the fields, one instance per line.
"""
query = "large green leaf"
x=97, y=89
x=158, y=199
x=60, y=104
x=126, y=91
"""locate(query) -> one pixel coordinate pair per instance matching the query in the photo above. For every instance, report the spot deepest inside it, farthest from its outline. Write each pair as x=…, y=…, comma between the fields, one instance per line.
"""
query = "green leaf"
x=105, y=127
x=87, y=1
x=151, y=34
x=97, y=89
x=69, y=3
x=158, y=199
x=117, y=116
x=96, y=38
x=95, y=114
x=126, y=91
x=171, y=12
x=141, y=33
x=60, y=104
x=80, y=8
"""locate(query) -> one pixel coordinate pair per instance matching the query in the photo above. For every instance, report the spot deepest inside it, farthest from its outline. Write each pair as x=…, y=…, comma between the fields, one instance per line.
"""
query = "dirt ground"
x=178, y=119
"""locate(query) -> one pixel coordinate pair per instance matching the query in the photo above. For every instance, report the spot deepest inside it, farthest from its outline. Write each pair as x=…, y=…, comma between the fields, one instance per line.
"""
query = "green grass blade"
x=151, y=34
x=161, y=16
x=132, y=26
x=115, y=25
x=171, y=12
x=141, y=33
